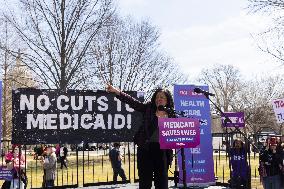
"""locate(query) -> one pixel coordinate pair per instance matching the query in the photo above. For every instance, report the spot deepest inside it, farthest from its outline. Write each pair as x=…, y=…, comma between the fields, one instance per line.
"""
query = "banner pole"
x=183, y=168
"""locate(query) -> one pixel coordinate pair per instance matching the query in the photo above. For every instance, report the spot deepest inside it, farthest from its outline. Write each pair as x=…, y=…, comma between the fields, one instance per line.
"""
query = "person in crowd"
x=281, y=153
x=115, y=159
x=15, y=161
x=271, y=162
x=49, y=167
x=38, y=151
x=150, y=157
x=57, y=151
x=239, y=165
x=262, y=151
x=63, y=156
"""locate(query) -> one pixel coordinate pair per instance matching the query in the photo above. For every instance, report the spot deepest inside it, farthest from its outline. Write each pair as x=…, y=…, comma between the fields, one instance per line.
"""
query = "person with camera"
x=49, y=167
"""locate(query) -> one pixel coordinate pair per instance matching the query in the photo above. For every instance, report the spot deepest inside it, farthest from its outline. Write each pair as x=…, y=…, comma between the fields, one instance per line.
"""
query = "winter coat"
x=49, y=167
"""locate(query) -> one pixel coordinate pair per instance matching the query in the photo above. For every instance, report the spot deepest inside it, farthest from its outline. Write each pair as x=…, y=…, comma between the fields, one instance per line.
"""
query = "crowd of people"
x=271, y=163
x=152, y=161
x=48, y=157
x=15, y=161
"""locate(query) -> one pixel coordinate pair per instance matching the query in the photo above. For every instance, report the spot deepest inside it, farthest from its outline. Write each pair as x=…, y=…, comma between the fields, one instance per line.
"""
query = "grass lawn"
x=98, y=169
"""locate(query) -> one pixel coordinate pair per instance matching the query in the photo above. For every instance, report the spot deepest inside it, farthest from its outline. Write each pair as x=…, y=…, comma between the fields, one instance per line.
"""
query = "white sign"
x=278, y=106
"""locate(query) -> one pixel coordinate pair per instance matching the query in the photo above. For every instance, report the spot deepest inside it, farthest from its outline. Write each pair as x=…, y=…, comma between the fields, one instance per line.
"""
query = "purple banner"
x=199, y=160
x=237, y=119
x=5, y=174
x=1, y=129
x=178, y=133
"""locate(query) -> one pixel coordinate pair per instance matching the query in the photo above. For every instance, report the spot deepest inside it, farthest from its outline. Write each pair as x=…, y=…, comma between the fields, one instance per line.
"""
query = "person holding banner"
x=150, y=158
x=15, y=161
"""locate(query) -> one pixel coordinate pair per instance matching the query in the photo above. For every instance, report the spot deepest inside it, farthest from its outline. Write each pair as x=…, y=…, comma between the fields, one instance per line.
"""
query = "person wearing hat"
x=115, y=159
x=272, y=163
x=49, y=167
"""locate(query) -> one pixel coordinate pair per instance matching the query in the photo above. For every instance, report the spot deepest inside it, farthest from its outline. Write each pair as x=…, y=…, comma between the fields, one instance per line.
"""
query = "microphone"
x=166, y=109
x=206, y=93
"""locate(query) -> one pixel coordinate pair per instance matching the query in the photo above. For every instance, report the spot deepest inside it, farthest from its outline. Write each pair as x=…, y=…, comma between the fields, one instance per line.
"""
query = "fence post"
x=129, y=161
x=77, y=163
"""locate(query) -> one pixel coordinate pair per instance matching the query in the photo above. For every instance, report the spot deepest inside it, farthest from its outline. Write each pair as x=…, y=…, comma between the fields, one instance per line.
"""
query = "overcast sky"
x=200, y=33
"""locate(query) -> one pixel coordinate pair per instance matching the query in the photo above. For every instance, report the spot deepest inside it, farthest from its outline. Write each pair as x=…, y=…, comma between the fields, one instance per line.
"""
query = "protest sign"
x=278, y=107
x=235, y=119
x=178, y=133
x=49, y=116
x=199, y=160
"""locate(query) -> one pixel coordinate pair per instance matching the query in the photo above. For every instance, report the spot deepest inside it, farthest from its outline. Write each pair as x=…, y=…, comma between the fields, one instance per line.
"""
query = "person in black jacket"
x=150, y=158
x=115, y=159
x=281, y=153
x=271, y=162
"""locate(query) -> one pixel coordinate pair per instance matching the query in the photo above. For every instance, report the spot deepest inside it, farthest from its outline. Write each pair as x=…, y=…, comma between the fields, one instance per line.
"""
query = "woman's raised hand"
x=111, y=89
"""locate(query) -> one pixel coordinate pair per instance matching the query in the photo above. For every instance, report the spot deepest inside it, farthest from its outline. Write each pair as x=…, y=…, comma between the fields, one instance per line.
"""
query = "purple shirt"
x=239, y=164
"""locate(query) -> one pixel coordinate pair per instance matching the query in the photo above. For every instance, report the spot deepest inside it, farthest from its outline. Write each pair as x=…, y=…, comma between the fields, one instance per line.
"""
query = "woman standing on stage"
x=150, y=158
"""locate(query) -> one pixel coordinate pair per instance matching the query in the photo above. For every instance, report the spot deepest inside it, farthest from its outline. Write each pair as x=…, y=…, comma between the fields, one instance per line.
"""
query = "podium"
x=179, y=133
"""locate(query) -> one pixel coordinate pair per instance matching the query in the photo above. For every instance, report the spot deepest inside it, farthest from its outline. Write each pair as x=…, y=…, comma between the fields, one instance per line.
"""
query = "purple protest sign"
x=178, y=133
x=237, y=118
x=199, y=160
x=5, y=174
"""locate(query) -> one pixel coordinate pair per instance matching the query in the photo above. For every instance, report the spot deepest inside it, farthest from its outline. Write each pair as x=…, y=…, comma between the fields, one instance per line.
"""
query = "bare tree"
x=56, y=36
x=128, y=55
x=8, y=39
x=255, y=100
x=271, y=41
x=18, y=76
x=266, y=5
x=224, y=82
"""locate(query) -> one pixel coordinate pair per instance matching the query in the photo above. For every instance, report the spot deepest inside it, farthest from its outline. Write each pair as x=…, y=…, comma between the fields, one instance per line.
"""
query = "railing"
x=92, y=167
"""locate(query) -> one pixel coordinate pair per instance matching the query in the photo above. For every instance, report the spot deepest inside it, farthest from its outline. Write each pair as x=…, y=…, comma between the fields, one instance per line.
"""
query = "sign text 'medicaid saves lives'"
x=178, y=133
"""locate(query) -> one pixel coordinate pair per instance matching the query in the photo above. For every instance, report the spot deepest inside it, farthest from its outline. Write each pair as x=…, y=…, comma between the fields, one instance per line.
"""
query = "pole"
x=239, y=131
x=228, y=120
x=183, y=168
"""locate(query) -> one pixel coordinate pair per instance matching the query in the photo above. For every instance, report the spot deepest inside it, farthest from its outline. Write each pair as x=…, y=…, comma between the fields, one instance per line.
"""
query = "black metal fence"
x=86, y=166
x=90, y=165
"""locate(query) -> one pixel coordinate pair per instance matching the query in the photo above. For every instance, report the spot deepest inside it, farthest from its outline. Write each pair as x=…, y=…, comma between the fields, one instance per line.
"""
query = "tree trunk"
x=63, y=83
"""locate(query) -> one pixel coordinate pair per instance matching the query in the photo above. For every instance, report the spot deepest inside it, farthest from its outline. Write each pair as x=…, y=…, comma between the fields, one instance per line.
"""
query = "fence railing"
x=92, y=167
